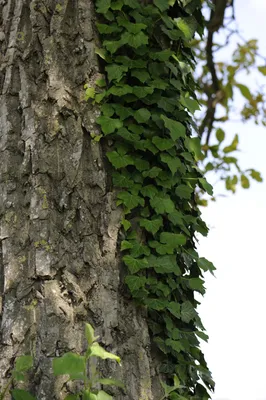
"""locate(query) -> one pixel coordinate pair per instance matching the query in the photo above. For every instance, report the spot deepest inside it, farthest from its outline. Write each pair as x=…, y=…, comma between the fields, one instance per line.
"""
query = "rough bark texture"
x=59, y=264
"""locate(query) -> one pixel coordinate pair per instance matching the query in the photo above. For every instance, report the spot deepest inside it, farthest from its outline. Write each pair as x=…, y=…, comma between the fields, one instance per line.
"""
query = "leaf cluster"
x=147, y=107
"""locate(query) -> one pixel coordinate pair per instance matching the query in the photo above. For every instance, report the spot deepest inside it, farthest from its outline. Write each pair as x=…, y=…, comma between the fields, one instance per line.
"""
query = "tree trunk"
x=59, y=264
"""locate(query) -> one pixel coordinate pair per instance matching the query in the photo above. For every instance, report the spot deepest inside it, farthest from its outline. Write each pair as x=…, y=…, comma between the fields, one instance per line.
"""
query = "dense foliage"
x=146, y=109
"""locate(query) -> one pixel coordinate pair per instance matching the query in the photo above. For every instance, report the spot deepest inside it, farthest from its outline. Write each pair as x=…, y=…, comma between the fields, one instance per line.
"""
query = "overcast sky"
x=234, y=308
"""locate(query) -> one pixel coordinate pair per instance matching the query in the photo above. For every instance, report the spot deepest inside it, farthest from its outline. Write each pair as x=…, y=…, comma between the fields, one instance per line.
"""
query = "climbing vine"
x=147, y=103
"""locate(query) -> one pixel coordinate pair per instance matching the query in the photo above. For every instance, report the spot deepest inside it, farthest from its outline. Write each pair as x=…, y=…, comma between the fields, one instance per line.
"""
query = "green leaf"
x=69, y=364
x=135, y=264
x=130, y=27
x=135, y=40
x=120, y=90
x=244, y=91
x=130, y=200
x=89, y=333
x=187, y=311
x=126, y=224
x=162, y=144
x=256, y=175
x=245, y=182
x=97, y=351
x=188, y=26
x=175, y=344
x=184, y=191
x=162, y=4
x=176, y=129
x=140, y=74
x=262, y=69
x=119, y=160
x=172, y=239
x=162, y=204
x=206, y=265
x=233, y=145
x=103, y=6
x=142, y=115
x=19, y=394
x=194, y=146
x=156, y=304
x=109, y=125
x=149, y=191
x=197, y=284
x=135, y=282
x=152, y=225
x=152, y=173
x=111, y=382
x=220, y=135
x=18, y=376
x=102, y=395
x=173, y=163
x=164, y=264
x=73, y=397
x=89, y=93
x=206, y=186
x=125, y=245
x=23, y=363
x=174, y=308
x=116, y=72
x=202, y=335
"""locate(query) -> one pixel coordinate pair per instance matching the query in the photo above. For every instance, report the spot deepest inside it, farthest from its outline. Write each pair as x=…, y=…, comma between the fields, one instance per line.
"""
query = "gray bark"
x=59, y=259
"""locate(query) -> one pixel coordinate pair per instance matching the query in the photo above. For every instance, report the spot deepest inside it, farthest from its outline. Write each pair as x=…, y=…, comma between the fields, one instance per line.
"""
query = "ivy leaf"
x=162, y=144
x=188, y=26
x=116, y=72
x=119, y=160
x=149, y=191
x=141, y=75
x=142, y=115
x=176, y=129
x=135, y=40
x=125, y=245
x=162, y=4
x=174, y=308
x=152, y=225
x=173, y=163
x=162, y=204
x=109, y=125
x=156, y=304
x=184, y=191
x=187, y=312
x=197, y=284
x=175, y=344
x=103, y=6
x=152, y=173
x=165, y=264
x=120, y=90
x=172, y=239
x=176, y=218
x=206, y=186
x=135, y=264
x=206, y=265
x=135, y=282
x=130, y=200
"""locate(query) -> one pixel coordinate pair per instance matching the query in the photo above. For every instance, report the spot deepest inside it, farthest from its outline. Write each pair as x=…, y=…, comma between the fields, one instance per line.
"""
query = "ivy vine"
x=147, y=104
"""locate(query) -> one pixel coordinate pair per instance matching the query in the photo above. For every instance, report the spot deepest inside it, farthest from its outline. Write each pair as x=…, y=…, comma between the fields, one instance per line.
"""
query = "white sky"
x=234, y=308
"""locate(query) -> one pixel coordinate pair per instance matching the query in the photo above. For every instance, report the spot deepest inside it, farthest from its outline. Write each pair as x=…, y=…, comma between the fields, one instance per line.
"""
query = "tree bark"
x=59, y=259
